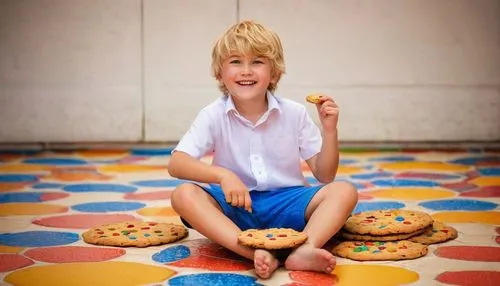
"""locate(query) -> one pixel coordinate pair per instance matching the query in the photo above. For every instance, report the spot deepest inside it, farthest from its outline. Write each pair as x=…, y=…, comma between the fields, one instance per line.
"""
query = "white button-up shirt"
x=265, y=155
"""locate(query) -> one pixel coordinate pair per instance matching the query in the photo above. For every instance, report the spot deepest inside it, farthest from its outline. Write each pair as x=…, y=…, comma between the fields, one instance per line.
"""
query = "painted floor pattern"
x=48, y=199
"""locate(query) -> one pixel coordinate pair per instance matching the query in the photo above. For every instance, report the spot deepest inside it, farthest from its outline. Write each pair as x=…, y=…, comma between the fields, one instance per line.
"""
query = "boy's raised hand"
x=235, y=191
x=328, y=111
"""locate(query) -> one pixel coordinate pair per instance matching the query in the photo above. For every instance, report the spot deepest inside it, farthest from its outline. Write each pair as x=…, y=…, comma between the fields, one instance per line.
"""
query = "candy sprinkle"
x=399, y=218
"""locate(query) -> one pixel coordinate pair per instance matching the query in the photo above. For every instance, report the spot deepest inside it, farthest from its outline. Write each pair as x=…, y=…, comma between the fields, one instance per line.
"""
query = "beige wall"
x=131, y=70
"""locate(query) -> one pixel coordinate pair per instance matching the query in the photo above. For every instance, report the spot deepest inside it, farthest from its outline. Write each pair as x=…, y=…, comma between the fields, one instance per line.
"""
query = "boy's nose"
x=246, y=70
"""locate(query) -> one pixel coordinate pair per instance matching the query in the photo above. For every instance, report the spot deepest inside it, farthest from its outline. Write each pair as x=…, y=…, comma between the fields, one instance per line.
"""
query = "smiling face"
x=250, y=56
x=246, y=77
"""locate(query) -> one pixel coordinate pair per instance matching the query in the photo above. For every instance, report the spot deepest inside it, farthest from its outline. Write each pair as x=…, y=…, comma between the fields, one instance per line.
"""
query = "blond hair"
x=249, y=38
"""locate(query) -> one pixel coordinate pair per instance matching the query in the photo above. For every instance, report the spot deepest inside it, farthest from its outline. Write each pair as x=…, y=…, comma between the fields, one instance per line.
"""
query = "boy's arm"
x=184, y=166
x=324, y=165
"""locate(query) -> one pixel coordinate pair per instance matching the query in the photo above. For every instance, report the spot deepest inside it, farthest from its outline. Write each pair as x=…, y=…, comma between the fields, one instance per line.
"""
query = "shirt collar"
x=272, y=103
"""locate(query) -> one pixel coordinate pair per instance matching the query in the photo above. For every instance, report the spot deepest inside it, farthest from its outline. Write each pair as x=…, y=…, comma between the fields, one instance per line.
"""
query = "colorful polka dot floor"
x=48, y=199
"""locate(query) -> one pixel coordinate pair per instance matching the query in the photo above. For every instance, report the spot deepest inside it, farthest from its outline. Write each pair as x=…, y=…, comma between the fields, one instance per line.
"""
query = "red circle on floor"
x=65, y=254
x=53, y=196
x=10, y=261
x=483, y=192
x=470, y=253
x=212, y=263
x=313, y=278
x=83, y=220
x=150, y=196
x=470, y=278
x=362, y=196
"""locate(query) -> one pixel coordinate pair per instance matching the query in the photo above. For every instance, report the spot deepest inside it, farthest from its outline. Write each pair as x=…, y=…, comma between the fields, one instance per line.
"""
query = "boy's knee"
x=182, y=194
x=347, y=191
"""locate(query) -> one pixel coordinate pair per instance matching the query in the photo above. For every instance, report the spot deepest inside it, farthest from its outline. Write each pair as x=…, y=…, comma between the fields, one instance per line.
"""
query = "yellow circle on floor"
x=97, y=273
x=346, y=170
x=30, y=209
x=428, y=166
x=157, y=211
x=130, y=168
x=10, y=249
x=373, y=275
x=490, y=217
x=486, y=181
x=411, y=193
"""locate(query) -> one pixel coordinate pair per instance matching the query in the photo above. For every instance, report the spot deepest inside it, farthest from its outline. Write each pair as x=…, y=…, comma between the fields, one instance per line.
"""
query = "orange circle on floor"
x=130, y=168
x=491, y=217
x=83, y=273
x=485, y=181
x=30, y=209
x=347, y=170
x=157, y=211
x=10, y=249
x=20, y=168
x=102, y=153
x=428, y=166
x=412, y=193
x=374, y=275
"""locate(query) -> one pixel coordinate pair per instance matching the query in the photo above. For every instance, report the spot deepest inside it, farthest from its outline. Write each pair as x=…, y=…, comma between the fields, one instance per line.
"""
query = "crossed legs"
x=205, y=215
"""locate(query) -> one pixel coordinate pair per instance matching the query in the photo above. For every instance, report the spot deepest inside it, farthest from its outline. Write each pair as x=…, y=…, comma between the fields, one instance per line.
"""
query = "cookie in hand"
x=313, y=98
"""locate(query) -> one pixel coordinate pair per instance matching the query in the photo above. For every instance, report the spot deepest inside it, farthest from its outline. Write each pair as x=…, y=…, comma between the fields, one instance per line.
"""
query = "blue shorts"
x=284, y=207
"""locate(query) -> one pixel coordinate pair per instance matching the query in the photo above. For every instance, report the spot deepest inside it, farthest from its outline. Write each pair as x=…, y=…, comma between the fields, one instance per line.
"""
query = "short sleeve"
x=309, y=136
x=199, y=139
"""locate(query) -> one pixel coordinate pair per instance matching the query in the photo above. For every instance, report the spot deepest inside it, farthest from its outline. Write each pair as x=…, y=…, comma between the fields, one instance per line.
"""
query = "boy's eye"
x=258, y=62
x=234, y=61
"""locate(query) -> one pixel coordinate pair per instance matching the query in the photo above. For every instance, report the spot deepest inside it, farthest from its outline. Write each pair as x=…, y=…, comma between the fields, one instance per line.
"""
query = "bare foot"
x=265, y=263
x=307, y=257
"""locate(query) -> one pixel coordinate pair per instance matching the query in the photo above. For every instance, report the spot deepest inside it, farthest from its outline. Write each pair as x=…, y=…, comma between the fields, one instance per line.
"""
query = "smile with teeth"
x=246, y=82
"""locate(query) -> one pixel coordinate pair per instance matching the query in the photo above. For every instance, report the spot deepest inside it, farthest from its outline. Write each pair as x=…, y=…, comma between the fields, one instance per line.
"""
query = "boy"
x=258, y=140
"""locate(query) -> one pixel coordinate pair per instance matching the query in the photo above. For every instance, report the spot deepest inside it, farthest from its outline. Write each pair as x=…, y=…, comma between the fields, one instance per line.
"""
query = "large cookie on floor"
x=439, y=232
x=135, y=233
x=387, y=222
x=394, y=250
x=272, y=238
x=390, y=237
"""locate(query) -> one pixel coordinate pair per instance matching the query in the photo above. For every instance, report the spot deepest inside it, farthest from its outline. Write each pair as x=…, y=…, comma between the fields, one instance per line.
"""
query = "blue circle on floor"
x=477, y=160
x=18, y=178
x=42, y=186
x=24, y=197
x=213, y=279
x=172, y=254
x=375, y=206
x=38, y=238
x=393, y=159
x=158, y=183
x=152, y=152
x=458, y=205
x=371, y=176
x=55, y=161
x=404, y=183
x=347, y=161
x=102, y=207
x=490, y=172
x=115, y=188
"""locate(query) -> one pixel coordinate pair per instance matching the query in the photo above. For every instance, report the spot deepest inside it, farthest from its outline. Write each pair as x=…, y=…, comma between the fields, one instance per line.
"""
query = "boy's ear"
x=275, y=77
